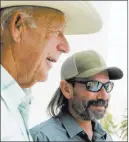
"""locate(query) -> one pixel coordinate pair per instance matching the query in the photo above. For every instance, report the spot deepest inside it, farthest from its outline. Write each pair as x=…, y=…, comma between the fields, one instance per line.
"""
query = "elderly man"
x=81, y=99
x=32, y=37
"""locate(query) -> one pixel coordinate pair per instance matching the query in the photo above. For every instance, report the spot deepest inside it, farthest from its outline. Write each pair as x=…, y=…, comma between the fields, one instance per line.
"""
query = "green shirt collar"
x=98, y=130
x=73, y=127
x=70, y=124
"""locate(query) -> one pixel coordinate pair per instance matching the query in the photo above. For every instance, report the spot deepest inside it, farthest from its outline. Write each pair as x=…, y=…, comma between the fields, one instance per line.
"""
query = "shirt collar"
x=10, y=90
x=73, y=127
x=98, y=130
x=70, y=124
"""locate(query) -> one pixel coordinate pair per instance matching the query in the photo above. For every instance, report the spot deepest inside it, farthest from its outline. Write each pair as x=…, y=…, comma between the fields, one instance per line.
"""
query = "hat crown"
x=87, y=60
x=81, y=62
x=81, y=16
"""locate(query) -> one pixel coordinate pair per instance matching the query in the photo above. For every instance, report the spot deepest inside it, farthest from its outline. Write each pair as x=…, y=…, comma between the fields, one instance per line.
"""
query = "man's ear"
x=66, y=89
x=16, y=26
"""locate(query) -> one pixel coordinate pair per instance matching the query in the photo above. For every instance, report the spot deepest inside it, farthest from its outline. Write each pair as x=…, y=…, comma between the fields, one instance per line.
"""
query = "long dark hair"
x=57, y=104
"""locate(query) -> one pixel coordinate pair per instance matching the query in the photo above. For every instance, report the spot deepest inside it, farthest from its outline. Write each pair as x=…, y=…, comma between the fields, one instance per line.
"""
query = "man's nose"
x=103, y=94
x=64, y=45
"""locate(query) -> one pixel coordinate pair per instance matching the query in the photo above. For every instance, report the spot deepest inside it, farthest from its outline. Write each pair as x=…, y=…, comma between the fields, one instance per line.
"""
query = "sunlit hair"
x=26, y=12
x=6, y=14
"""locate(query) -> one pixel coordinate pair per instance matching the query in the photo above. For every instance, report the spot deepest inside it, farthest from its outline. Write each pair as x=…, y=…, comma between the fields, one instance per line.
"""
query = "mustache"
x=99, y=102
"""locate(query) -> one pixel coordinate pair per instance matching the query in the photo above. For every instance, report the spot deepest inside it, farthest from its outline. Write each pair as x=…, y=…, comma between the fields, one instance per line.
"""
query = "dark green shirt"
x=65, y=128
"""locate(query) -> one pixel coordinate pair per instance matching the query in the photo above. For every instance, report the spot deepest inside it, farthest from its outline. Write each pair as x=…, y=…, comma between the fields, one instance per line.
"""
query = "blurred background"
x=111, y=43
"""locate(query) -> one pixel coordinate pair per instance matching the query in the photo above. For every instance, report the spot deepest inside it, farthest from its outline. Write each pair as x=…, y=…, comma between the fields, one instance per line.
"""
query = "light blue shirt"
x=14, y=110
x=64, y=127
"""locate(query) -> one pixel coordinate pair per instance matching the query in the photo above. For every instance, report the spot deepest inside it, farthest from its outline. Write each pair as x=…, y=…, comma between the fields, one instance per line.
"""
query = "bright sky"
x=110, y=42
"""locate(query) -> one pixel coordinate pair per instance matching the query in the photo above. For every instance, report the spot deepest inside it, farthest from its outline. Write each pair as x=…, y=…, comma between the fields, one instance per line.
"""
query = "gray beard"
x=86, y=113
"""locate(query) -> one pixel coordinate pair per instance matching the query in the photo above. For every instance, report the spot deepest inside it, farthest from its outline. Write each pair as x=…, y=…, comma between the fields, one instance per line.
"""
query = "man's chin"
x=45, y=78
x=94, y=114
x=41, y=76
x=98, y=114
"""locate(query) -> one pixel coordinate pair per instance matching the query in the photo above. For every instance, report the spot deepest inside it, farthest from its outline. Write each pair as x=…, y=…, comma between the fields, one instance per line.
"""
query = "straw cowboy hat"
x=81, y=16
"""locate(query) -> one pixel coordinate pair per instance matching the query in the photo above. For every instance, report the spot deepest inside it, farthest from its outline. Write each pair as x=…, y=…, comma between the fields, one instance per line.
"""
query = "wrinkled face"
x=40, y=46
x=48, y=42
x=86, y=105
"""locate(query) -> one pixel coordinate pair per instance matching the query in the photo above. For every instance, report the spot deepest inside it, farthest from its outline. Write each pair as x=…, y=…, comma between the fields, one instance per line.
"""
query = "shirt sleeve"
x=38, y=136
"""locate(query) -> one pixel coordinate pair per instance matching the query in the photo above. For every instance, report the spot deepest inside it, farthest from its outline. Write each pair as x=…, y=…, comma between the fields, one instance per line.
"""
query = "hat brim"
x=81, y=16
x=113, y=72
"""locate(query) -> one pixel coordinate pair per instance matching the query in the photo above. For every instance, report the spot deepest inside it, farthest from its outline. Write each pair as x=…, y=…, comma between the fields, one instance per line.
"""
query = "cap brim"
x=81, y=16
x=113, y=72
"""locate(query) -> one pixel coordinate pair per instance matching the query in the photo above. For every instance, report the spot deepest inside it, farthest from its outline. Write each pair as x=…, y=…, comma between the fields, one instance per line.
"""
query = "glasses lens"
x=93, y=86
x=108, y=86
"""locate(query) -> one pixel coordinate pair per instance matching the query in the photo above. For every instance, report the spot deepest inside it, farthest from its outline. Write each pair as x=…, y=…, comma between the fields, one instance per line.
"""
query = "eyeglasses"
x=95, y=86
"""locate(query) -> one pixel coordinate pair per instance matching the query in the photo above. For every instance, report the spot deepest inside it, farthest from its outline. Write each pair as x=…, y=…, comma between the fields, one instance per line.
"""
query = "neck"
x=86, y=125
x=8, y=62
